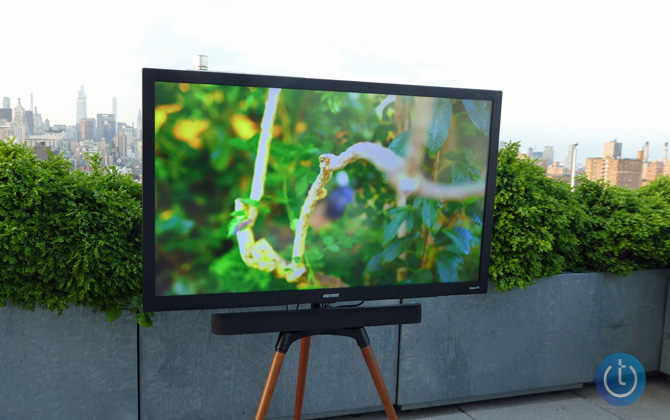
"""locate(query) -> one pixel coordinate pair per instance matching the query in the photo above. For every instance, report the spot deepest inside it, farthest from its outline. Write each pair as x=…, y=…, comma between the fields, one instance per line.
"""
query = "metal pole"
x=574, y=167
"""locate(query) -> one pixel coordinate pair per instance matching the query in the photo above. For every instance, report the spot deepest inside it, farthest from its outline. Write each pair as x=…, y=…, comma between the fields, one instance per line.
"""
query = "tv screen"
x=267, y=190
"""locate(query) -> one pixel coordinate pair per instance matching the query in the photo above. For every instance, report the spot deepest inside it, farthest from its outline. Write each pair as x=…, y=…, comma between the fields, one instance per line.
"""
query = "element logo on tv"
x=331, y=295
x=620, y=379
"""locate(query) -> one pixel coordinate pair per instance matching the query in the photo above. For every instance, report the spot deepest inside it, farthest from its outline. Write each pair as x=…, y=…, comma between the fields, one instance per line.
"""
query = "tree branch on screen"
x=403, y=175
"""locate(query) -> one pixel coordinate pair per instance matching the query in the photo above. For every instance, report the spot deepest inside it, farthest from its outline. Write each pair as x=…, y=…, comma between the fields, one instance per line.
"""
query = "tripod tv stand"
x=301, y=325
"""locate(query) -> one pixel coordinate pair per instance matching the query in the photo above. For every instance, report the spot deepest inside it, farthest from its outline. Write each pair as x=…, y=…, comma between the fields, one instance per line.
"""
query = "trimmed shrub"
x=68, y=237
x=625, y=229
x=536, y=223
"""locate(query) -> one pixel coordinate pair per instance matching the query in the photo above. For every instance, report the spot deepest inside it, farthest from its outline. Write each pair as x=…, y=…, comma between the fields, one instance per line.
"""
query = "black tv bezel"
x=151, y=302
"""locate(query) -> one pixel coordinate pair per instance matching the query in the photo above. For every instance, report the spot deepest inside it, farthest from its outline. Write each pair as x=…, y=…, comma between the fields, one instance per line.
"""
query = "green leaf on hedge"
x=112, y=314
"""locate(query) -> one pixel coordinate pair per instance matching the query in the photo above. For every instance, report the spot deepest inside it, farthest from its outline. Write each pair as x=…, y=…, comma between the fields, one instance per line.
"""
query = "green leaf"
x=236, y=224
x=460, y=240
x=399, y=144
x=112, y=314
x=429, y=212
x=392, y=226
x=255, y=203
x=479, y=113
x=374, y=264
x=396, y=248
x=438, y=130
x=447, y=266
x=137, y=301
x=144, y=319
x=426, y=276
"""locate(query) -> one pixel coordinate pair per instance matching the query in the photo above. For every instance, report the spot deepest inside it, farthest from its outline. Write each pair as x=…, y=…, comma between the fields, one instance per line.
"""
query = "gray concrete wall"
x=551, y=336
x=501, y=343
x=77, y=366
x=632, y=312
x=665, y=354
x=186, y=372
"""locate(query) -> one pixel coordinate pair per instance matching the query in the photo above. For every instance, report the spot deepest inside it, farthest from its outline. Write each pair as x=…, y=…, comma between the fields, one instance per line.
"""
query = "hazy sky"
x=570, y=71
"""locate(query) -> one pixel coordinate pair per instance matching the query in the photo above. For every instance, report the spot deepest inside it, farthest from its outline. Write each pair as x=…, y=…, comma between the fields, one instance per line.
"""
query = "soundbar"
x=314, y=319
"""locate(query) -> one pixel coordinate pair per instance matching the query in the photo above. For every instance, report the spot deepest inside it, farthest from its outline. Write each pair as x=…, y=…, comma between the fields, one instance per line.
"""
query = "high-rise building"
x=29, y=122
x=548, y=155
x=81, y=105
x=5, y=102
x=18, y=123
x=106, y=127
x=612, y=149
x=121, y=142
x=665, y=151
x=620, y=172
x=654, y=170
x=87, y=129
x=37, y=120
x=138, y=131
x=114, y=109
x=5, y=114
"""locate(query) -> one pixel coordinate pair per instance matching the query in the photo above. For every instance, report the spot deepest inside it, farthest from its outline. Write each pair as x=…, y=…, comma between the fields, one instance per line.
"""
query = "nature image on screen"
x=267, y=189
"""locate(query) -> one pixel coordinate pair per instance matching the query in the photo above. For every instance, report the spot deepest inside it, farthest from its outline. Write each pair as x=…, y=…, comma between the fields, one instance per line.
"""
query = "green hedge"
x=542, y=228
x=67, y=237
x=71, y=238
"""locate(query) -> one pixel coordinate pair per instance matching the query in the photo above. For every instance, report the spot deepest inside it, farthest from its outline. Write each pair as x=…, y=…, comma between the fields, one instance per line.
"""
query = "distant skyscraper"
x=37, y=120
x=5, y=102
x=612, y=149
x=32, y=106
x=138, y=131
x=116, y=116
x=87, y=129
x=548, y=155
x=81, y=105
x=17, y=121
x=665, y=151
x=6, y=114
x=105, y=128
x=121, y=142
x=29, y=122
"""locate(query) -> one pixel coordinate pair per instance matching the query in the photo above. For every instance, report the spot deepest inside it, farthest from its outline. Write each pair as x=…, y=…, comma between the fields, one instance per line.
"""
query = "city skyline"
x=566, y=77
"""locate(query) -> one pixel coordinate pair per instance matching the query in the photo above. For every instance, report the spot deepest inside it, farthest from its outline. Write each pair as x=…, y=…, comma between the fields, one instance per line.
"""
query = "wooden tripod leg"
x=270, y=384
x=302, y=377
x=379, y=382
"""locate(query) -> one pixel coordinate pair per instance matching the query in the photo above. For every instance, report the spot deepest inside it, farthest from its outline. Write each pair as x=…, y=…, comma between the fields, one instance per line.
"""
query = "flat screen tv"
x=267, y=190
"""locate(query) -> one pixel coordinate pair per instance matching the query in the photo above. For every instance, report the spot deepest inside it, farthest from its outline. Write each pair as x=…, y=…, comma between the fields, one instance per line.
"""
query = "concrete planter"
x=467, y=348
x=551, y=336
x=186, y=372
x=665, y=351
x=77, y=366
